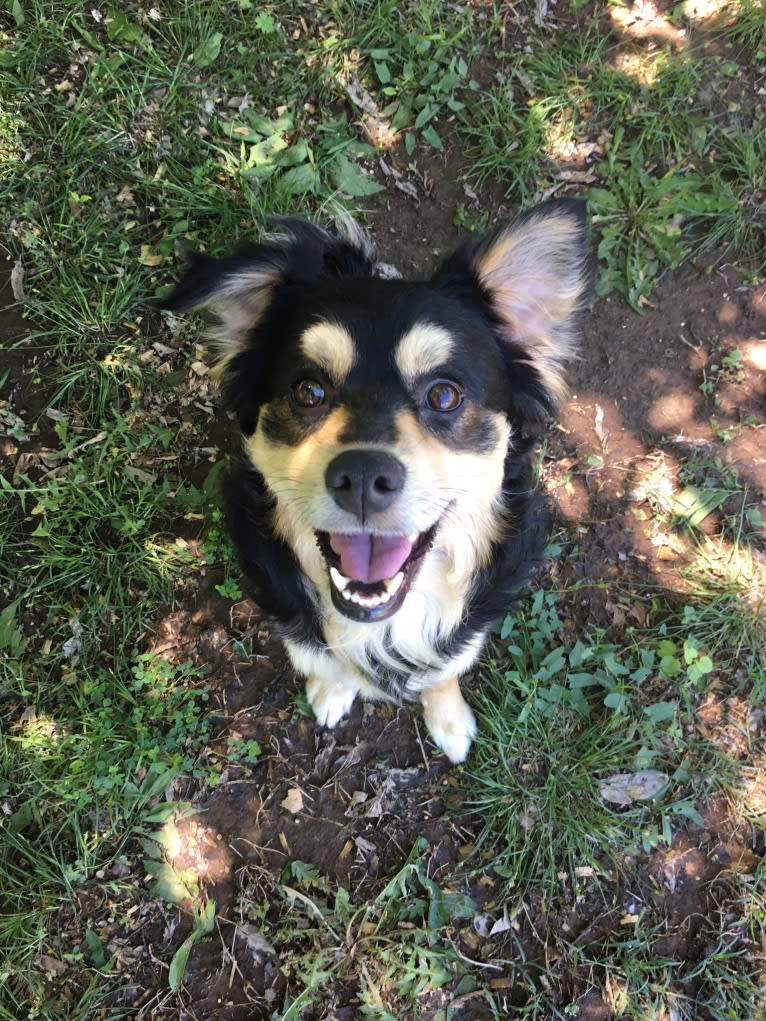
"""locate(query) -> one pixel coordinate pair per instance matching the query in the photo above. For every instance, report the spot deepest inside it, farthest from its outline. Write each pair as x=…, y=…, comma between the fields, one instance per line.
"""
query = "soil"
x=649, y=393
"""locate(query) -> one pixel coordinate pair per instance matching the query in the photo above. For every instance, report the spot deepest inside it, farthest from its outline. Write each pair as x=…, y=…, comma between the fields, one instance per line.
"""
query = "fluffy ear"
x=236, y=289
x=239, y=288
x=536, y=276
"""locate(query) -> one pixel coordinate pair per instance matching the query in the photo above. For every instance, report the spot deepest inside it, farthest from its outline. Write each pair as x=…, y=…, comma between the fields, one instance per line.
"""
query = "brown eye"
x=444, y=396
x=308, y=393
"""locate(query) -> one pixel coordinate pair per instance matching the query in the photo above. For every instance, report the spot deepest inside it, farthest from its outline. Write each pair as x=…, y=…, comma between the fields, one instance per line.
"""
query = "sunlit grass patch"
x=669, y=169
x=123, y=735
x=592, y=758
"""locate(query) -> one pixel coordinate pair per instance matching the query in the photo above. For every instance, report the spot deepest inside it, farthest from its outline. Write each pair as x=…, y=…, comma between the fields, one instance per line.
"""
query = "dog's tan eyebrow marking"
x=330, y=347
x=422, y=349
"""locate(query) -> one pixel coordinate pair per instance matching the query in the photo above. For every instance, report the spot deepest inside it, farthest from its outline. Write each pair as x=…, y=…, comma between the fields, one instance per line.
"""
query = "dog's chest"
x=400, y=656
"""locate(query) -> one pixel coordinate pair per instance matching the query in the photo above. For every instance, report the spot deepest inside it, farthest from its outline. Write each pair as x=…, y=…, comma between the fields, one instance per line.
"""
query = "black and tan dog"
x=385, y=511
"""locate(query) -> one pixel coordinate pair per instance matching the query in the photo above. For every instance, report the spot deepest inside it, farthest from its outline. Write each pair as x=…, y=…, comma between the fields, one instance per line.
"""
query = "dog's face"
x=381, y=414
x=384, y=435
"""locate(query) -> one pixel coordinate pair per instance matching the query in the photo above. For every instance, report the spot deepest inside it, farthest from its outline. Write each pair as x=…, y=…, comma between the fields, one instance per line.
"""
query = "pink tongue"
x=369, y=558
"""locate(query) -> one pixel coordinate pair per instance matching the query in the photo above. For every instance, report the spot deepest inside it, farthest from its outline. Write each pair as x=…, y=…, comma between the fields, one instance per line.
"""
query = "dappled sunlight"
x=753, y=789
x=36, y=732
x=755, y=353
x=196, y=854
x=653, y=507
x=674, y=411
x=722, y=564
x=639, y=65
x=643, y=20
x=10, y=132
x=704, y=10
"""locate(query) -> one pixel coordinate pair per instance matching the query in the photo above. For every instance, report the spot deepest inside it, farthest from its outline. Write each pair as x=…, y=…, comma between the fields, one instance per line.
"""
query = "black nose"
x=364, y=481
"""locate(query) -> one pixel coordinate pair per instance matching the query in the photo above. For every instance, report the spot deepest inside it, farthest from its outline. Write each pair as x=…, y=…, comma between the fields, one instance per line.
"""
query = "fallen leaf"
x=256, y=941
x=17, y=281
x=625, y=788
x=51, y=964
x=501, y=925
x=294, y=800
x=357, y=798
x=149, y=257
x=601, y=432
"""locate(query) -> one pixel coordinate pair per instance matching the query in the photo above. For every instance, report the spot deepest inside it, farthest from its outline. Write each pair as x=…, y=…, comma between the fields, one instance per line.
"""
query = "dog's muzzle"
x=370, y=570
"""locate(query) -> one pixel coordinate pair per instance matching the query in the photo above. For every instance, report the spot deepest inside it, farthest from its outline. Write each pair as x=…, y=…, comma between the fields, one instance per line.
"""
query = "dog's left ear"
x=536, y=276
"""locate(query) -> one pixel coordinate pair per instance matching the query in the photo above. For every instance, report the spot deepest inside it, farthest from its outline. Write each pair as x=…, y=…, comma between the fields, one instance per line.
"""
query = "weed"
x=643, y=220
x=740, y=160
x=747, y=26
x=423, y=83
x=396, y=944
x=664, y=181
x=124, y=739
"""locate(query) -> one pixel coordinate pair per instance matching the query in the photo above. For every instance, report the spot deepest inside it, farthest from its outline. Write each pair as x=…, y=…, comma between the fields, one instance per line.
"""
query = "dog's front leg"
x=449, y=719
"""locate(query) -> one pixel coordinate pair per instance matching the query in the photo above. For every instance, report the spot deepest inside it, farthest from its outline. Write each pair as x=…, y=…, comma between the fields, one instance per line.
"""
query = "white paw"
x=454, y=734
x=329, y=701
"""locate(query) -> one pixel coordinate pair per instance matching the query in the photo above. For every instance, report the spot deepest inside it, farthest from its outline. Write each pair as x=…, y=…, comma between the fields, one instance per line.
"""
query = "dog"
x=385, y=510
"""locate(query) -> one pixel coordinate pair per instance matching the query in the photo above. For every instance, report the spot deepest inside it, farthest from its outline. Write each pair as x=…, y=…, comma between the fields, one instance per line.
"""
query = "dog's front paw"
x=329, y=700
x=449, y=719
x=455, y=736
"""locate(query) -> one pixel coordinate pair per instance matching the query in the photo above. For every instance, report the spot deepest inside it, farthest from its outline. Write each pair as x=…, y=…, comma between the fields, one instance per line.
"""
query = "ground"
x=649, y=393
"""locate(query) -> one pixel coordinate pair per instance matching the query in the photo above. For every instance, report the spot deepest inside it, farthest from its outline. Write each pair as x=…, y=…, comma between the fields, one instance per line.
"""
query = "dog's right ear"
x=239, y=288
x=236, y=289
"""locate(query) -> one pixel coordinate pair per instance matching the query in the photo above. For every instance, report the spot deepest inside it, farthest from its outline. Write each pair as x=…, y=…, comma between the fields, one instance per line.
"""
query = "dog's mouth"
x=371, y=574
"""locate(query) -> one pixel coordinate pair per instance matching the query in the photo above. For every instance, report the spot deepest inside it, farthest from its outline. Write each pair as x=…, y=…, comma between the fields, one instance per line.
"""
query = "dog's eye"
x=444, y=396
x=309, y=393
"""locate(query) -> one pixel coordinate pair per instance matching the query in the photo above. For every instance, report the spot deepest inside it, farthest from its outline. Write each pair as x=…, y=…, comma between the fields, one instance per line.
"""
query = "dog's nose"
x=364, y=481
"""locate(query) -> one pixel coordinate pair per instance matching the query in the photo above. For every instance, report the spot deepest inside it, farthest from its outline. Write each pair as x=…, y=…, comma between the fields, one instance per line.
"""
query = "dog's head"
x=381, y=413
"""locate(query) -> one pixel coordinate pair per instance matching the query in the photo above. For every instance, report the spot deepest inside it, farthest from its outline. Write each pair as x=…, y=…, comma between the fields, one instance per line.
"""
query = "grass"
x=125, y=128
x=559, y=721
x=547, y=764
x=671, y=171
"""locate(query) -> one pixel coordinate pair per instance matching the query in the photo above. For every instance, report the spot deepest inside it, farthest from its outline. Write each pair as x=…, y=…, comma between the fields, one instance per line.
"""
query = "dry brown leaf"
x=149, y=257
x=294, y=800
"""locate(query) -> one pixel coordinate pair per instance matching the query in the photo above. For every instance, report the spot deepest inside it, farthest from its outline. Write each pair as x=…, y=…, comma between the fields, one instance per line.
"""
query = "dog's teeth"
x=339, y=581
x=369, y=601
x=393, y=584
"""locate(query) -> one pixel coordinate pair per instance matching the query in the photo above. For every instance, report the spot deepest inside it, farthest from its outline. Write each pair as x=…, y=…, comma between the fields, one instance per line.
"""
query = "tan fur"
x=239, y=304
x=331, y=348
x=422, y=350
x=468, y=484
x=457, y=488
x=534, y=274
x=449, y=718
x=295, y=476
